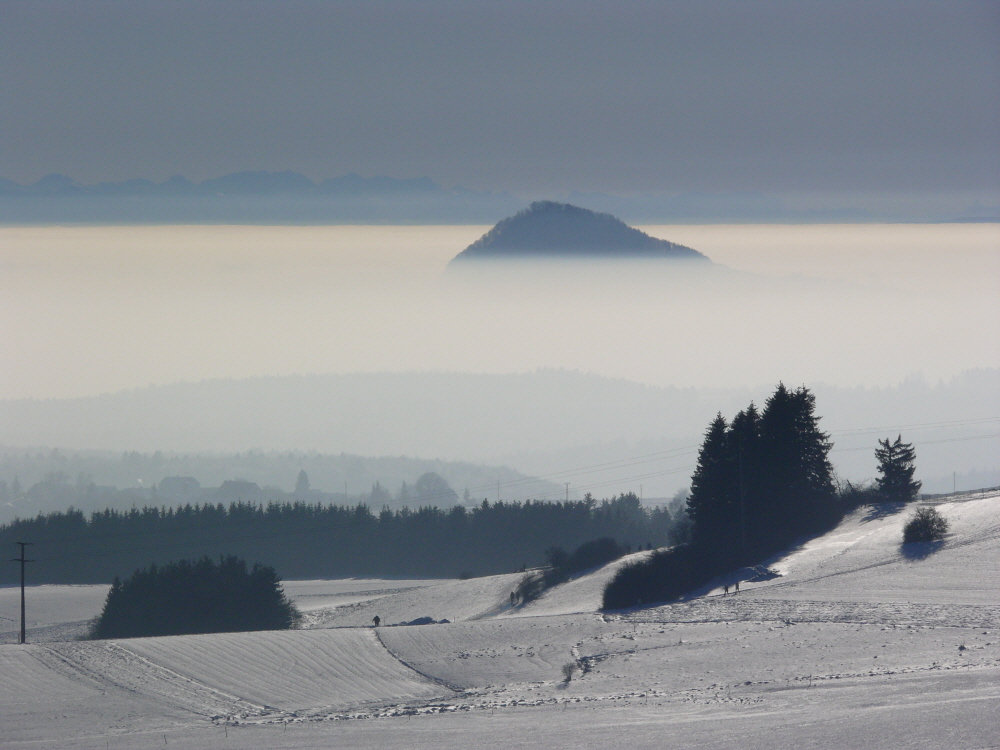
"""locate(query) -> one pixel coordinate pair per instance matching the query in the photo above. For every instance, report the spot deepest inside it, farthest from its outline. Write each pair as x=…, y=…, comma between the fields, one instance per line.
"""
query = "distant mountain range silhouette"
x=254, y=197
x=262, y=197
x=238, y=183
x=550, y=229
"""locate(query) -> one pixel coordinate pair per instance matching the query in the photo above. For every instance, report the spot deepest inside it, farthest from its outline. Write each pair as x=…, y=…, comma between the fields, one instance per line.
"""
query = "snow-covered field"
x=860, y=643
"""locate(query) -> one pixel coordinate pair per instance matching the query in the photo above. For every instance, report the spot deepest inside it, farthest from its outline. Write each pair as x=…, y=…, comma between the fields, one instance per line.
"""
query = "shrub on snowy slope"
x=664, y=575
x=563, y=565
x=926, y=525
x=855, y=494
x=587, y=555
x=195, y=597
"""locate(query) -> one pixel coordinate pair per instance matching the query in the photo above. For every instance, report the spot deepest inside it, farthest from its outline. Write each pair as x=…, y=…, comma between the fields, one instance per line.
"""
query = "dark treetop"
x=548, y=229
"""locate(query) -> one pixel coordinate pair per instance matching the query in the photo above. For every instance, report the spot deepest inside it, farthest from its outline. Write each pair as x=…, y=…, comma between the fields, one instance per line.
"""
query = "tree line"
x=302, y=540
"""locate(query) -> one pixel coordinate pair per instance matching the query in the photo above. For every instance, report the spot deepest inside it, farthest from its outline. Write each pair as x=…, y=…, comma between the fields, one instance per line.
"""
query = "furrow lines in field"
x=113, y=666
x=296, y=670
x=747, y=609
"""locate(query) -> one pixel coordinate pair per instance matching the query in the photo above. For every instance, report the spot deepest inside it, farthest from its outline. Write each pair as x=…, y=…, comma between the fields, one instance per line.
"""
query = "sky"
x=537, y=98
x=874, y=100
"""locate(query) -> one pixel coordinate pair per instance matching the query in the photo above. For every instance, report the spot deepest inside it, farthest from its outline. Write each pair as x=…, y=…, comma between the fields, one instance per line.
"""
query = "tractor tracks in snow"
x=112, y=666
x=746, y=609
x=423, y=675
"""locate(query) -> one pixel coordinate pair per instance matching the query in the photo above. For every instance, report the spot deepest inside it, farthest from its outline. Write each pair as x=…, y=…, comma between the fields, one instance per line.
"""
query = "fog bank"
x=91, y=310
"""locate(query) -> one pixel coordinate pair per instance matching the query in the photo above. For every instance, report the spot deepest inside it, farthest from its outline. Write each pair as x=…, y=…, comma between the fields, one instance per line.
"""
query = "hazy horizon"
x=101, y=309
x=666, y=111
x=871, y=317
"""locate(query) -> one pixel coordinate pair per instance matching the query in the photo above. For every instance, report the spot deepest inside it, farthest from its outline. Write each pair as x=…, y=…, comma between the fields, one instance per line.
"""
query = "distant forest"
x=301, y=540
x=34, y=481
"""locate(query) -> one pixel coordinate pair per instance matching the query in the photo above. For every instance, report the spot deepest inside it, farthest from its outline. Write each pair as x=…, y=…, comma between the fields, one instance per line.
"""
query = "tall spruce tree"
x=896, y=467
x=711, y=505
x=797, y=477
x=743, y=443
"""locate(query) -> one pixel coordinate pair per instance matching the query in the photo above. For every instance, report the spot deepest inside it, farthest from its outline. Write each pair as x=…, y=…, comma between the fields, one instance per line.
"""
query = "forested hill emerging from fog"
x=558, y=230
x=539, y=423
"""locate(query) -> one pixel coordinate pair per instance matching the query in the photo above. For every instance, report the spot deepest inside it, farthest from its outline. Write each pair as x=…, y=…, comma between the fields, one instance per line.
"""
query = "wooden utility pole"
x=22, y=560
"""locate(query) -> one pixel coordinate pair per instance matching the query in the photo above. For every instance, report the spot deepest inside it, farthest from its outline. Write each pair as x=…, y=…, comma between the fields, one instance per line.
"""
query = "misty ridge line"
x=516, y=482
x=553, y=424
x=290, y=197
x=915, y=381
x=547, y=229
x=239, y=507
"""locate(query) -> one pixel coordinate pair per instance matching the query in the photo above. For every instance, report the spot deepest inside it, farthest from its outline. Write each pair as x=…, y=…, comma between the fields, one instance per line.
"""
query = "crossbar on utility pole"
x=22, y=560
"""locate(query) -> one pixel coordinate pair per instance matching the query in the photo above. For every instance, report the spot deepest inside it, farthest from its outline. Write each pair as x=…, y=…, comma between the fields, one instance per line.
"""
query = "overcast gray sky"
x=521, y=96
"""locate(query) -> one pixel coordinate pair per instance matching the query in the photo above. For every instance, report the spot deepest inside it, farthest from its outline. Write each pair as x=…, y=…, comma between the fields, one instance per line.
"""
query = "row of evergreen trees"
x=303, y=540
x=762, y=481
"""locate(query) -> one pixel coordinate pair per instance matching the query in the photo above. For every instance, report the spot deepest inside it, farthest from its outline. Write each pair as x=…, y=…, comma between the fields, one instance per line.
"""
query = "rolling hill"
x=859, y=640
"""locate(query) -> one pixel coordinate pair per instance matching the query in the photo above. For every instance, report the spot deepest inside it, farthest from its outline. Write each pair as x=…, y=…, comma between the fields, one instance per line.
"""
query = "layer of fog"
x=91, y=310
x=600, y=435
x=98, y=309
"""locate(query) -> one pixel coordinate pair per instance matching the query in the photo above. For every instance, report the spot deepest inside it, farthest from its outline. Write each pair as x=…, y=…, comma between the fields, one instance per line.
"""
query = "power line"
x=917, y=426
x=924, y=442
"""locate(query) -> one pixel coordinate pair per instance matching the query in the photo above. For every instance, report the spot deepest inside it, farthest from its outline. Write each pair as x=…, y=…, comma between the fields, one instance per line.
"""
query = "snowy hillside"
x=861, y=642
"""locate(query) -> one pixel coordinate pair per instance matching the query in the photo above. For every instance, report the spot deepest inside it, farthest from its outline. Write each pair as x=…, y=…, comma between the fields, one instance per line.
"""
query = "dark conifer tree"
x=743, y=441
x=896, y=467
x=796, y=474
x=711, y=505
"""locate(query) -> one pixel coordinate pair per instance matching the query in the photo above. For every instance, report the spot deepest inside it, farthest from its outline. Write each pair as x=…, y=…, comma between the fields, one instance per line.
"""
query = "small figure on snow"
x=513, y=599
x=727, y=590
x=737, y=587
x=376, y=619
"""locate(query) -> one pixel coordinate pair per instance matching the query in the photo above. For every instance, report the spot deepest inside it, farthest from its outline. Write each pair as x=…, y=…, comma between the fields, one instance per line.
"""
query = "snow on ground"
x=52, y=613
x=309, y=596
x=861, y=643
x=447, y=600
x=584, y=593
x=864, y=560
x=292, y=671
x=61, y=613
